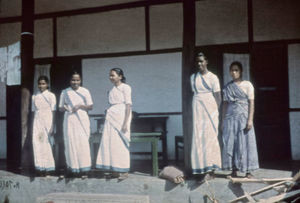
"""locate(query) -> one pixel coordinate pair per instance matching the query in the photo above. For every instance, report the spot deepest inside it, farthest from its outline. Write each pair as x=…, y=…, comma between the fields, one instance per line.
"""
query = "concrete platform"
x=16, y=188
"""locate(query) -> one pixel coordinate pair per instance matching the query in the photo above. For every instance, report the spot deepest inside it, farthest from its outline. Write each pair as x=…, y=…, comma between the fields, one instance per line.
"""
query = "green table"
x=152, y=137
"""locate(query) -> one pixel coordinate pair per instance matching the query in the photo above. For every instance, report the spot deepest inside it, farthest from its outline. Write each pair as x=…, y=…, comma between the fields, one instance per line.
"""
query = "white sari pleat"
x=76, y=131
x=205, y=153
x=114, y=152
x=42, y=124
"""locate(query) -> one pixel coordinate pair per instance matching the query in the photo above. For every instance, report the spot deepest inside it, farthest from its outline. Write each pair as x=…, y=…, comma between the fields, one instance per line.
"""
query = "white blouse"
x=247, y=88
x=43, y=100
x=120, y=94
x=210, y=79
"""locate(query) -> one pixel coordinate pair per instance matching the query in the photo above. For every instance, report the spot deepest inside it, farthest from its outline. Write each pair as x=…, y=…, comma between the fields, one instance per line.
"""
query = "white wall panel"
x=116, y=31
x=295, y=134
x=9, y=33
x=155, y=81
x=46, y=6
x=276, y=19
x=43, y=38
x=10, y=8
x=221, y=22
x=2, y=99
x=294, y=75
x=3, y=145
x=166, y=26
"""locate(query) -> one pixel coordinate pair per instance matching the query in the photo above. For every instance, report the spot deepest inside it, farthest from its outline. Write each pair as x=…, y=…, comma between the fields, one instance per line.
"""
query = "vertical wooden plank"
x=54, y=28
x=13, y=126
x=147, y=27
x=188, y=54
x=250, y=22
x=27, y=75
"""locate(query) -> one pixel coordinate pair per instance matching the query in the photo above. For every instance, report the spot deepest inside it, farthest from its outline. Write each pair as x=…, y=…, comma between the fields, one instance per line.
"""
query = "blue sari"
x=239, y=146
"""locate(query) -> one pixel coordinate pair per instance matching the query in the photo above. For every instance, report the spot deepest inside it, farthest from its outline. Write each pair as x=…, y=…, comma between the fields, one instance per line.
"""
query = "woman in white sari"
x=75, y=101
x=43, y=106
x=113, y=154
x=206, y=155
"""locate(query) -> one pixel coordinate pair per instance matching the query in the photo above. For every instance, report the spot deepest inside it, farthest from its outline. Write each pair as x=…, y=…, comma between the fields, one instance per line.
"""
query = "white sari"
x=76, y=129
x=114, y=152
x=205, y=154
x=43, y=105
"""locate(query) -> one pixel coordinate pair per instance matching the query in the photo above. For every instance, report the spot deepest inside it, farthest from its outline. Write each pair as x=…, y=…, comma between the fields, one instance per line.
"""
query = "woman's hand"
x=75, y=108
x=124, y=129
x=221, y=124
x=249, y=125
x=51, y=131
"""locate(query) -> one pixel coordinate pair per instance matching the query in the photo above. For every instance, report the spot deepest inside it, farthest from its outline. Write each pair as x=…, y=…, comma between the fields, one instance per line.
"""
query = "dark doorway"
x=269, y=70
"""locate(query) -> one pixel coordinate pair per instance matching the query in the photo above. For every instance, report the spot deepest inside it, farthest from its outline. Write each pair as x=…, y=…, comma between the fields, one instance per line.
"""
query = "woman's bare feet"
x=209, y=176
x=249, y=175
x=122, y=176
x=179, y=179
x=233, y=174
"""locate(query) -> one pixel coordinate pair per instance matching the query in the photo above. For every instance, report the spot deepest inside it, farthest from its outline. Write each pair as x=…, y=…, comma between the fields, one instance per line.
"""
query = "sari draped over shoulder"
x=43, y=105
x=239, y=147
x=114, y=154
x=205, y=153
x=76, y=129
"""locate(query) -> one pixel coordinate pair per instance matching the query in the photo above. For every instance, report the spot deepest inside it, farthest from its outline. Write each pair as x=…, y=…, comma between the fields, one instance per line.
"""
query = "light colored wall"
x=3, y=144
x=46, y=6
x=2, y=99
x=276, y=19
x=294, y=77
x=9, y=8
x=43, y=38
x=295, y=134
x=221, y=22
x=3, y=139
x=9, y=33
x=155, y=81
x=166, y=24
x=115, y=31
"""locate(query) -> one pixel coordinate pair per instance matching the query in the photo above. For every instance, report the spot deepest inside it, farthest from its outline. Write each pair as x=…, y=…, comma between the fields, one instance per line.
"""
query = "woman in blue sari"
x=239, y=142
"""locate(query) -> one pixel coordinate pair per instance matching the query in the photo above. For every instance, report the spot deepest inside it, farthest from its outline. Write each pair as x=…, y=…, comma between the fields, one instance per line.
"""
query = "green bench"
x=148, y=137
x=153, y=138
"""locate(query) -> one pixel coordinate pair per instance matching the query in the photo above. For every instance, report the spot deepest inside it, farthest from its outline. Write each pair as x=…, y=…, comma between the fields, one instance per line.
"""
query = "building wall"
x=2, y=122
x=9, y=33
x=156, y=87
x=46, y=6
x=221, y=22
x=294, y=94
x=276, y=20
x=108, y=32
x=10, y=8
x=123, y=31
x=43, y=38
x=166, y=26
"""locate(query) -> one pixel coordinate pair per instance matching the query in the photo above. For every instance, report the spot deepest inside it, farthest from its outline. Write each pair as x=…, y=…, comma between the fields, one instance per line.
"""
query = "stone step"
x=92, y=198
